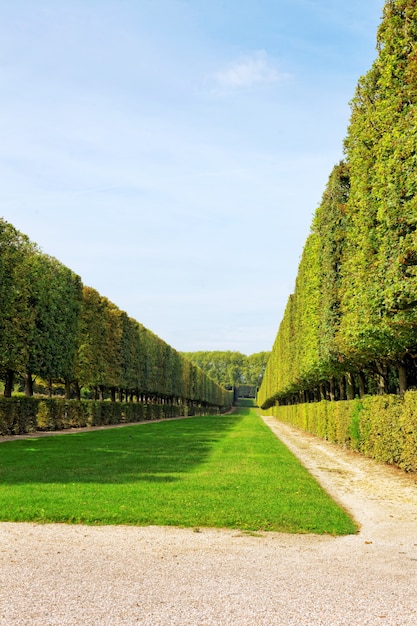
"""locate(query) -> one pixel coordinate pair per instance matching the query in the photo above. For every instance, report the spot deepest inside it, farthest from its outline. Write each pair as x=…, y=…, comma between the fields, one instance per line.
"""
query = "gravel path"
x=79, y=575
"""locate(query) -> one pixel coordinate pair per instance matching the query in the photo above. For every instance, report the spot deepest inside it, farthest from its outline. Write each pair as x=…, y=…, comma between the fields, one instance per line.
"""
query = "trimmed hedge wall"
x=20, y=415
x=381, y=427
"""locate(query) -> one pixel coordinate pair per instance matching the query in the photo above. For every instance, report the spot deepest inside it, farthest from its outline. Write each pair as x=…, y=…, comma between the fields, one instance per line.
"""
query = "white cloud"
x=249, y=70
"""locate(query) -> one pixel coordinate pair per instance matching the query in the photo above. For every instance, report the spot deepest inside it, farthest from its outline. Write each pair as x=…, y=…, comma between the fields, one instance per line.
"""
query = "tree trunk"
x=382, y=378
x=382, y=388
x=113, y=394
x=28, y=384
x=361, y=380
x=402, y=377
x=8, y=384
x=327, y=388
x=77, y=391
x=342, y=388
x=331, y=389
x=50, y=388
x=101, y=392
x=350, y=386
x=67, y=389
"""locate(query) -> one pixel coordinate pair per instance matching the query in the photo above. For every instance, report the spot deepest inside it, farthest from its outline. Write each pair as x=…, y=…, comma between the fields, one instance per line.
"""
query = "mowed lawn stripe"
x=226, y=471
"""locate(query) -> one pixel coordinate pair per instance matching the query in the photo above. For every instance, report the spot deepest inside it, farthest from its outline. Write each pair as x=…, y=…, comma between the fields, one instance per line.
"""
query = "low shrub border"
x=21, y=414
x=381, y=427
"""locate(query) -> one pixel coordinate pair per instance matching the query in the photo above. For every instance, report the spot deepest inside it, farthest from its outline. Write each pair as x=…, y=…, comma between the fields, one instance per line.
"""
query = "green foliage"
x=350, y=326
x=20, y=415
x=408, y=429
x=40, y=309
x=306, y=312
x=379, y=286
x=99, y=341
x=54, y=329
x=381, y=431
x=16, y=316
x=55, y=299
x=355, y=425
x=381, y=427
x=231, y=369
x=329, y=226
x=17, y=415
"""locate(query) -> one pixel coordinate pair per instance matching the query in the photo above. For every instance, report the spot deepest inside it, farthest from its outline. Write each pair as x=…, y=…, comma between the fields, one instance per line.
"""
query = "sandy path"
x=61, y=575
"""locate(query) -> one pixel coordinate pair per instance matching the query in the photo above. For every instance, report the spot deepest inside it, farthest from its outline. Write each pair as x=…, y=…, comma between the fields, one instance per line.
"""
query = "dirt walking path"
x=77, y=575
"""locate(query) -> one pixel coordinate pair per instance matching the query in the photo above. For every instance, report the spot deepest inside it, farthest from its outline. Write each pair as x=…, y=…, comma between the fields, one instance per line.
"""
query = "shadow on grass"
x=159, y=453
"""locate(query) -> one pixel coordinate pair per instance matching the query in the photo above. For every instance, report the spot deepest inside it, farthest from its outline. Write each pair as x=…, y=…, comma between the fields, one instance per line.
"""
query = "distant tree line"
x=231, y=369
x=55, y=329
x=350, y=327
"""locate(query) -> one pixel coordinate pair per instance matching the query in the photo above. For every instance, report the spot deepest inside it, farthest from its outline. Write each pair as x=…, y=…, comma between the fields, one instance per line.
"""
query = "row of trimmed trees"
x=54, y=328
x=350, y=327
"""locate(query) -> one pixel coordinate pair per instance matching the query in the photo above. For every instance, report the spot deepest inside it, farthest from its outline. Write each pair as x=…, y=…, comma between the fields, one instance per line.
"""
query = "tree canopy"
x=352, y=319
x=54, y=328
x=231, y=369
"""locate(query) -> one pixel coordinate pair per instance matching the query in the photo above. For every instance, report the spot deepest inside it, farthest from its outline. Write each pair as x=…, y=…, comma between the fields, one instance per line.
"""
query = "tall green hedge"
x=350, y=327
x=54, y=328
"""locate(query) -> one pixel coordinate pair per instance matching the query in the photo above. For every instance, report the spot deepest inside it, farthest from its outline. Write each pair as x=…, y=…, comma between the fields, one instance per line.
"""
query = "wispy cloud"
x=249, y=70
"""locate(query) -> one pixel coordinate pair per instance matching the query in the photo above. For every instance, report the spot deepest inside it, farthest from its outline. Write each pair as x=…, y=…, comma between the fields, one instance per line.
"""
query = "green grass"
x=225, y=471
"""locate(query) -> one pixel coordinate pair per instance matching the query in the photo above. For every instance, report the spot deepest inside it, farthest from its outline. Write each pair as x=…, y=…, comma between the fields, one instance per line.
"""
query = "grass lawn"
x=225, y=471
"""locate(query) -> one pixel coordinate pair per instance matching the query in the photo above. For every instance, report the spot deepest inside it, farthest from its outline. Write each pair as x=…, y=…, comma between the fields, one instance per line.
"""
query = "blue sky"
x=173, y=152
